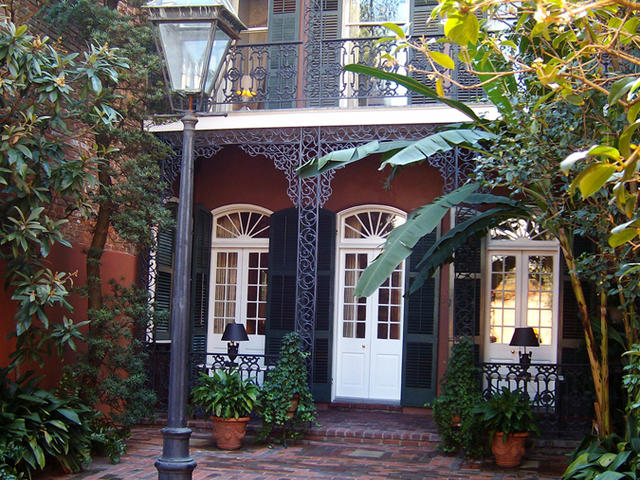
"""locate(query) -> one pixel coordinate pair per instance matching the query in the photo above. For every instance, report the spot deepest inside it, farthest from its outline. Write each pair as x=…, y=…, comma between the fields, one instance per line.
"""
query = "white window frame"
x=524, y=248
x=242, y=246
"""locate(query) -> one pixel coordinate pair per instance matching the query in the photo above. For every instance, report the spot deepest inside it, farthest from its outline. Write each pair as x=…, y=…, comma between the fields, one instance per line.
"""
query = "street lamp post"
x=193, y=37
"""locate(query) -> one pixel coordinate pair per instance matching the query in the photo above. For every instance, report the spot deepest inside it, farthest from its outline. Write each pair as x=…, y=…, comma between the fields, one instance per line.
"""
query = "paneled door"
x=369, y=356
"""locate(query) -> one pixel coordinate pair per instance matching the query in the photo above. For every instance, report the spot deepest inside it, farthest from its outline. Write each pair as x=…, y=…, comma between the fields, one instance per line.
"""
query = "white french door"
x=369, y=333
x=523, y=292
x=238, y=294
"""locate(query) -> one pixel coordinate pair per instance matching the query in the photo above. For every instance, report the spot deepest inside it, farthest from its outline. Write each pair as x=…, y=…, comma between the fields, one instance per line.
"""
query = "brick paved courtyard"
x=363, y=449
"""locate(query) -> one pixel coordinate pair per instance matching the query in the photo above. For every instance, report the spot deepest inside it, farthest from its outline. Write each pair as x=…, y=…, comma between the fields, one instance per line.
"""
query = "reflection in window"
x=521, y=295
x=502, y=313
x=519, y=229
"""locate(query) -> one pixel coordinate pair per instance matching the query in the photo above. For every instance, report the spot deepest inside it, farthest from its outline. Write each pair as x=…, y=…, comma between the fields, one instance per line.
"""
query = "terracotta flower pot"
x=509, y=453
x=293, y=406
x=229, y=432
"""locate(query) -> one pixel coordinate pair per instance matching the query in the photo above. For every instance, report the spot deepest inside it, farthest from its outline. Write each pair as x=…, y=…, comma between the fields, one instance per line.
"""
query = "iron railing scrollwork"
x=253, y=367
x=561, y=394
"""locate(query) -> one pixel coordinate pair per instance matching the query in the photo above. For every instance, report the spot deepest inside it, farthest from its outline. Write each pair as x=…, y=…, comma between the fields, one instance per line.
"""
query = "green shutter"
x=281, y=293
x=324, y=306
x=200, y=264
x=330, y=76
x=420, y=333
x=423, y=25
x=164, y=278
x=283, y=26
x=281, y=297
x=421, y=22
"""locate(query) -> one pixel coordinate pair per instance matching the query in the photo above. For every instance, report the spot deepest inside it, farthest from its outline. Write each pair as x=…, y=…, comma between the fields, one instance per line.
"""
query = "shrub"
x=460, y=394
x=38, y=427
x=288, y=378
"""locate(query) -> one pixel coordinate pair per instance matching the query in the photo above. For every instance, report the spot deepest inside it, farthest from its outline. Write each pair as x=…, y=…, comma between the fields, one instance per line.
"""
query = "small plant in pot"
x=287, y=404
x=230, y=400
x=508, y=417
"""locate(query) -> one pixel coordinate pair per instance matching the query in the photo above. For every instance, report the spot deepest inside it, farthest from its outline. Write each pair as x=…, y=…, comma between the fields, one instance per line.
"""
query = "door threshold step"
x=359, y=405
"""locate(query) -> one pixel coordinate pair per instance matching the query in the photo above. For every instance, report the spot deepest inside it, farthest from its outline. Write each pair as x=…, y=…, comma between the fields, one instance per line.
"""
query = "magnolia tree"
x=561, y=76
x=50, y=105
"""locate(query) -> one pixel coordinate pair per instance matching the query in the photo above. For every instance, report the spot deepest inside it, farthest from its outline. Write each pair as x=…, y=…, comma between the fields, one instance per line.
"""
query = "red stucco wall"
x=117, y=265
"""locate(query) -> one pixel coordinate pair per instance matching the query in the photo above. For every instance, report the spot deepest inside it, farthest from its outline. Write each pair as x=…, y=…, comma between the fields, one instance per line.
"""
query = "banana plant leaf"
x=402, y=239
x=442, y=250
x=415, y=86
x=397, y=152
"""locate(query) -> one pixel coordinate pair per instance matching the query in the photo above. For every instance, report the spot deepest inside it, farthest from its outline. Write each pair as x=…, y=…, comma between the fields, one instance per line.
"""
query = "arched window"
x=239, y=265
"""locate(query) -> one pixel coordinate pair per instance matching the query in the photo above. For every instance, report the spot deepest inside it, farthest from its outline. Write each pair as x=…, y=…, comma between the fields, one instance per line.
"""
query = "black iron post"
x=175, y=462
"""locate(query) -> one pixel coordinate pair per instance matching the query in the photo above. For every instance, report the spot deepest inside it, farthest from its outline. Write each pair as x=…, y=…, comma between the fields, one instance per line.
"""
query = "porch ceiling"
x=241, y=120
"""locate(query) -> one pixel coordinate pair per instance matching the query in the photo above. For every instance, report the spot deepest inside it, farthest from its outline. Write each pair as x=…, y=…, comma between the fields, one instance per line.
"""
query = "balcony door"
x=239, y=265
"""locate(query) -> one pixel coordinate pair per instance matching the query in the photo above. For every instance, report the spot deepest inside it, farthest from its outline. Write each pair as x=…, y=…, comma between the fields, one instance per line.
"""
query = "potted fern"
x=286, y=401
x=230, y=400
x=508, y=417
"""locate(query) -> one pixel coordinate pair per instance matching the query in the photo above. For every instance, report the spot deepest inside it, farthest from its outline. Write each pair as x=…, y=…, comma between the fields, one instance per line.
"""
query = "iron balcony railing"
x=278, y=76
x=562, y=395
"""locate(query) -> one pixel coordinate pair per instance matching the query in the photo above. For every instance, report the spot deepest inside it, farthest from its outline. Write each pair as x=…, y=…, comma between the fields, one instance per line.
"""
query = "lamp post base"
x=175, y=462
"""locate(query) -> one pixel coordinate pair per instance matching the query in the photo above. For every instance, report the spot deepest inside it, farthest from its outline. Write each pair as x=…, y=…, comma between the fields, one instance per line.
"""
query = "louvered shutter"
x=327, y=93
x=283, y=27
x=467, y=289
x=164, y=277
x=324, y=306
x=281, y=294
x=423, y=26
x=201, y=257
x=420, y=333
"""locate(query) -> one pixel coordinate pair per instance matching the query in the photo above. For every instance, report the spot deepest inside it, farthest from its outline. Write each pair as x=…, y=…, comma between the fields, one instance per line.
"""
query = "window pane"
x=502, y=308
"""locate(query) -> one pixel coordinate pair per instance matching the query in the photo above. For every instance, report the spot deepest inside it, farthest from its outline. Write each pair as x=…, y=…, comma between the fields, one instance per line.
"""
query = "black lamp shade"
x=524, y=337
x=235, y=332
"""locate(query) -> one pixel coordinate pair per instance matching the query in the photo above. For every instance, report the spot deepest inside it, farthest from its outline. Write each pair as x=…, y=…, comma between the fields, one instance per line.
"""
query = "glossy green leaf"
x=442, y=59
x=594, y=178
x=620, y=88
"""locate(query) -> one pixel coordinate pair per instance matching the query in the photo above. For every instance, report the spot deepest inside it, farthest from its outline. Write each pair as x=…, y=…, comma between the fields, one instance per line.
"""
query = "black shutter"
x=164, y=277
x=420, y=333
x=281, y=294
x=467, y=289
x=324, y=306
x=200, y=264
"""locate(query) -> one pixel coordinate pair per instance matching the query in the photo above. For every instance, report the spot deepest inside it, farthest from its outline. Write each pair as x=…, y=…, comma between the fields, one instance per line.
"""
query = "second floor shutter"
x=283, y=26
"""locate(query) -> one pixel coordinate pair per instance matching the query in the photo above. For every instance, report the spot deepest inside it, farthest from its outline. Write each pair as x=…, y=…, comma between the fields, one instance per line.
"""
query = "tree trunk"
x=597, y=362
x=94, y=278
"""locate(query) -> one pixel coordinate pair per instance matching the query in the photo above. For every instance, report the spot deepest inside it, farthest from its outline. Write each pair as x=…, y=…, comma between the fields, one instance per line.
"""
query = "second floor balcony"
x=287, y=75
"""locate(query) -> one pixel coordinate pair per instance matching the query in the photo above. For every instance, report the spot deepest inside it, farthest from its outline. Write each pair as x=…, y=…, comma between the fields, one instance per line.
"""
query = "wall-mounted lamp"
x=234, y=333
x=524, y=337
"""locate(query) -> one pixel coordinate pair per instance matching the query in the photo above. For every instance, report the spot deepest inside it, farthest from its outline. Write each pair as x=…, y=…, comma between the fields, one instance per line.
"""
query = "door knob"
x=363, y=346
